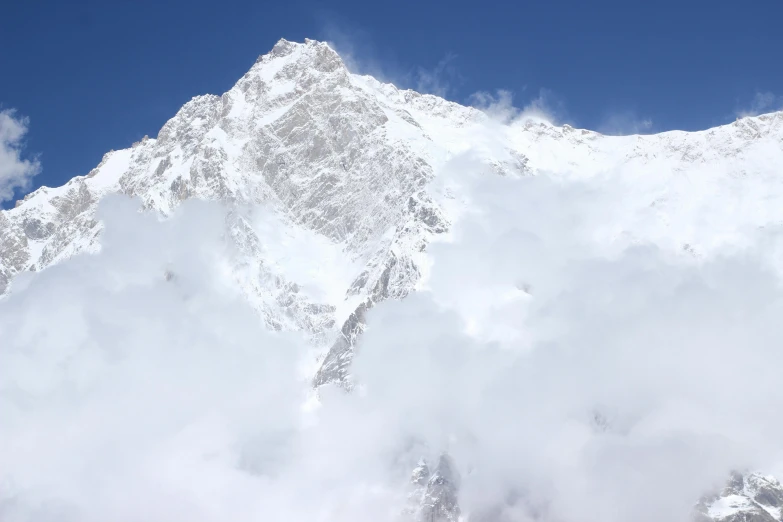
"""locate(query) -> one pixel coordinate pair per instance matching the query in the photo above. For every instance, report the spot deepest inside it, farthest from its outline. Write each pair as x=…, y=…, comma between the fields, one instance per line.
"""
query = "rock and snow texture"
x=342, y=171
x=746, y=498
x=357, y=178
x=434, y=494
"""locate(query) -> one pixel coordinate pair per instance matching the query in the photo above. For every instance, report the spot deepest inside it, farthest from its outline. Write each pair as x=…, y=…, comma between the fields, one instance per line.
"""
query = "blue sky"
x=90, y=76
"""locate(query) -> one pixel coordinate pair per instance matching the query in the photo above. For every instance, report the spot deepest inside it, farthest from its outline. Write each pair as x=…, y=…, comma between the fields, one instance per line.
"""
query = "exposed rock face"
x=746, y=498
x=440, y=497
x=359, y=171
x=434, y=495
x=299, y=133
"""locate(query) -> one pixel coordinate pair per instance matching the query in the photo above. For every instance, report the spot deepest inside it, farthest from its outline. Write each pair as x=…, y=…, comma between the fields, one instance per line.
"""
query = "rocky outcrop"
x=433, y=495
x=748, y=497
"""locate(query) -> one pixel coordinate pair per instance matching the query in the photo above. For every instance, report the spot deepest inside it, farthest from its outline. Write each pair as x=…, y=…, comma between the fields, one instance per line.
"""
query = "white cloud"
x=544, y=107
x=16, y=172
x=762, y=102
x=141, y=397
x=499, y=105
x=562, y=327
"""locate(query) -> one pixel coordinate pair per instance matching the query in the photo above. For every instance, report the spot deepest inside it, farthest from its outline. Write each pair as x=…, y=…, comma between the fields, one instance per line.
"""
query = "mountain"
x=750, y=498
x=354, y=175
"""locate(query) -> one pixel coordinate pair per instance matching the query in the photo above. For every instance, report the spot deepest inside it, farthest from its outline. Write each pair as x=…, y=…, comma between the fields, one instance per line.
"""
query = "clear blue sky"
x=98, y=75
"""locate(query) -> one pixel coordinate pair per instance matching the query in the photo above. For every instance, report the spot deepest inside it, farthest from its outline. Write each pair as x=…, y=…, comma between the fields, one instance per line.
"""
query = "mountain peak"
x=283, y=47
x=311, y=53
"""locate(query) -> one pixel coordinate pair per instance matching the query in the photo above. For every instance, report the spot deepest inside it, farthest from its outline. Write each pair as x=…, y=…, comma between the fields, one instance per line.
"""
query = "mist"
x=570, y=373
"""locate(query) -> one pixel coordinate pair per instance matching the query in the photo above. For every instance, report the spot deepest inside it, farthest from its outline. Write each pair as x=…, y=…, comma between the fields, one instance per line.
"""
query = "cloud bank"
x=16, y=172
x=569, y=378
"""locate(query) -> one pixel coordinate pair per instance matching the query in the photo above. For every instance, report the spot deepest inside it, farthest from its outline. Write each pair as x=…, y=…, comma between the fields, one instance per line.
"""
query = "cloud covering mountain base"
x=568, y=378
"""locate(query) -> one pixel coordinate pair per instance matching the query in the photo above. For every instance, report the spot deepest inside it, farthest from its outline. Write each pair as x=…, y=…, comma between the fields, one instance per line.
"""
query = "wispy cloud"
x=441, y=79
x=763, y=101
x=498, y=105
x=355, y=47
x=361, y=56
x=16, y=172
x=621, y=123
x=545, y=107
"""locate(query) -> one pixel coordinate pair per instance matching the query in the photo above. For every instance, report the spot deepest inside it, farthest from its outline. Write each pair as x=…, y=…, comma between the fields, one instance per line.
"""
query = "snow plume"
x=440, y=79
x=622, y=123
x=571, y=374
x=545, y=107
x=15, y=172
x=498, y=106
x=355, y=47
x=361, y=56
x=763, y=101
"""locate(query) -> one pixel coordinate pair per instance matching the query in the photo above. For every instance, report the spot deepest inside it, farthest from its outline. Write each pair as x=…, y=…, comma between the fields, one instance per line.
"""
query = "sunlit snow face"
x=564, y=375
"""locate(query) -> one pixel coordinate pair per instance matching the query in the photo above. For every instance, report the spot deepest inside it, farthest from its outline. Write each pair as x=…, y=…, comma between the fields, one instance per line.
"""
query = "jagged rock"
x=748, y=497
x=418, y=488
x=440, y=501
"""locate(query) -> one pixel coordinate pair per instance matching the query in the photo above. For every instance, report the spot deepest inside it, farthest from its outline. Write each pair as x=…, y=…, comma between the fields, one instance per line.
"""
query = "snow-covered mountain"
x=751, y=498
x=356, y=179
